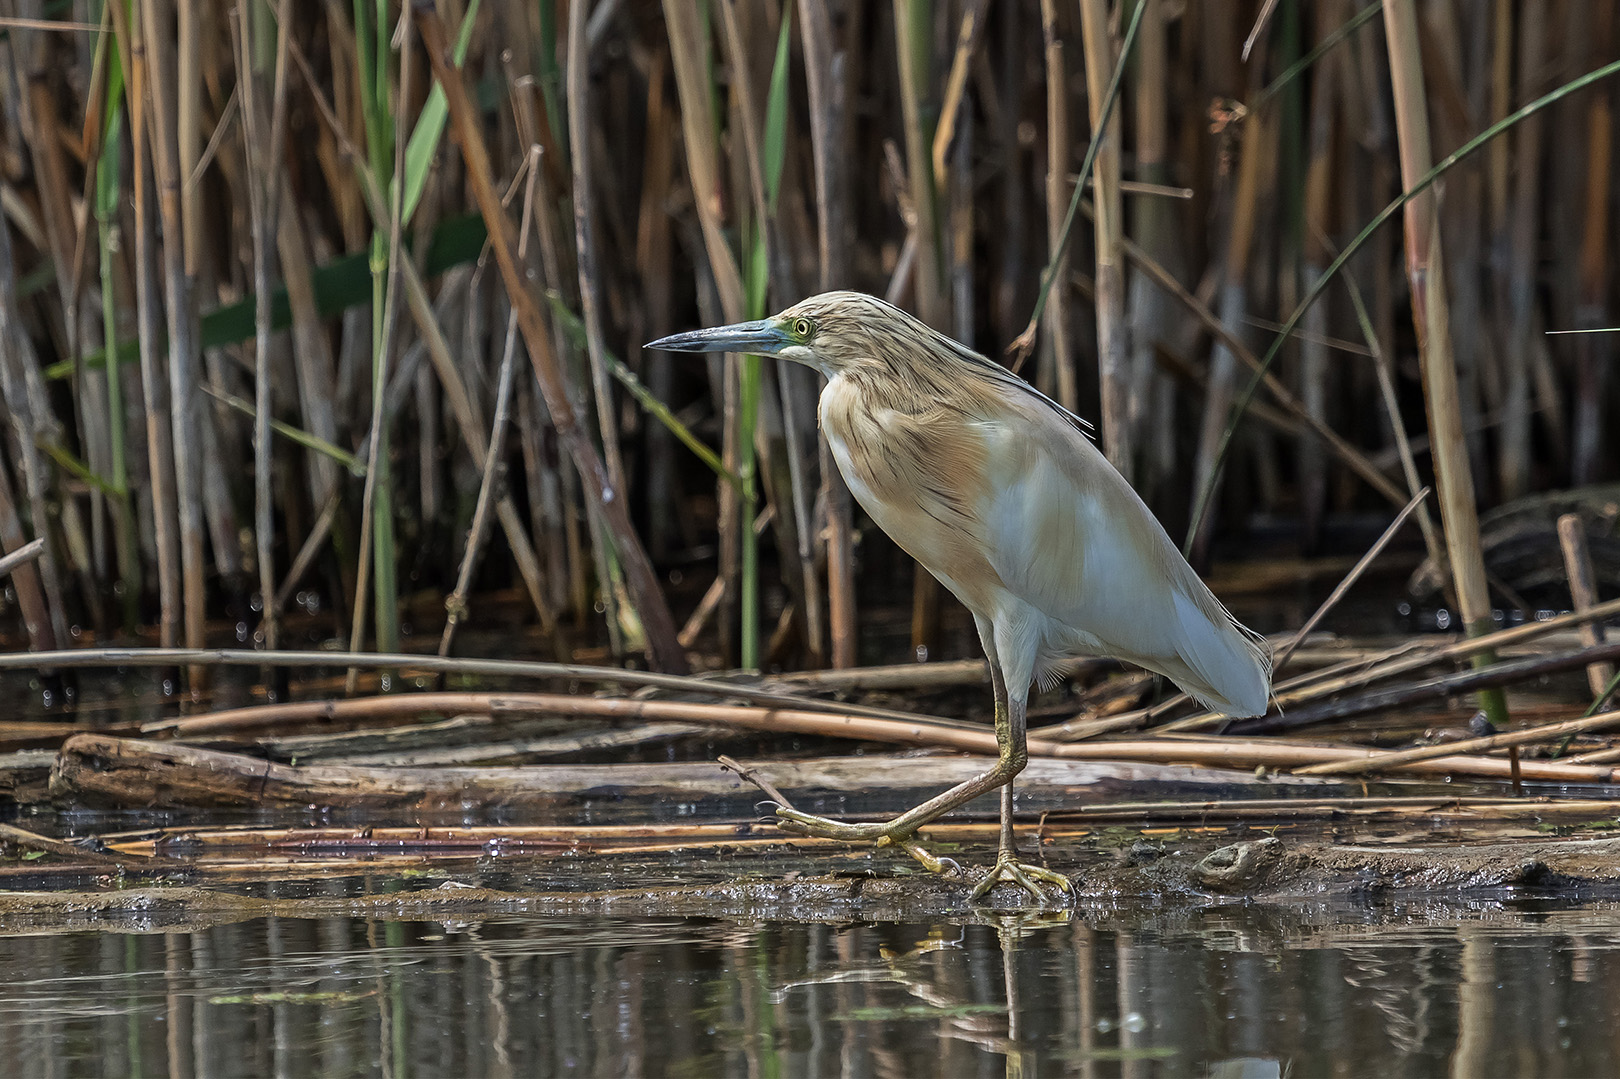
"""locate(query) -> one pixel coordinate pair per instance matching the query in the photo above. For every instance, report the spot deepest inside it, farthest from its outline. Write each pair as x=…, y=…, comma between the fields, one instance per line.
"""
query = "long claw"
x=1009, y=870
x=884, y=835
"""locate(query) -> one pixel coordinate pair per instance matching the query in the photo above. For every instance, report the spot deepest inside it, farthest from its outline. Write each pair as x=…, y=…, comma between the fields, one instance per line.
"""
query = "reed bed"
x=268, y=274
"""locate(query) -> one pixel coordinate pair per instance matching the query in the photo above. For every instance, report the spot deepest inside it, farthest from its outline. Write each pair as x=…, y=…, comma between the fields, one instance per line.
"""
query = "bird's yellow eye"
x=803, y=328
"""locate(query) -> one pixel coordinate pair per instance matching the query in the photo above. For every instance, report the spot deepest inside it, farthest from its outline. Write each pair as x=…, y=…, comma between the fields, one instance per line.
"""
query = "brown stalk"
x=123, y=767
x=25, y=577
x=1113, y=361
x=1153, y=224
x=1258, y=137
x=579, y=105
x=778, y=431
x=1583, y=592
x=912, y=49
x=1056, y=317
x=462, y=405
x=456, y=605
x=265, y=197
x=1430, y=314
x=688, y=51
x=154, y=379
x=180, y=313
x=1595, y=352
x=968, y=35
x=639, y=575
x=826, y=131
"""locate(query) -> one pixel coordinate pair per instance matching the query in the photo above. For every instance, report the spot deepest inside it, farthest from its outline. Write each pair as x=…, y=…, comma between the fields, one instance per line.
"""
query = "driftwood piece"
x=122, y=771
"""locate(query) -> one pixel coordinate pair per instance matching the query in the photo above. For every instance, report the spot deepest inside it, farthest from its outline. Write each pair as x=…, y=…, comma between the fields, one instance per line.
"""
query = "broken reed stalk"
x=1349, y=580
x=1583, y=592
x=1432, y=541
x=1375, y=761
x=22, y=556
x=1430, y=316
x=1113, y=362
x=643, y=585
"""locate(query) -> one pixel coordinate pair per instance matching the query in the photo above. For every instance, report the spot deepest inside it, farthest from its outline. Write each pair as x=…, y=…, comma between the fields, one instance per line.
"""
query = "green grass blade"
x=644, y=397
x=424, y=141
x=776, y=106
x=349, y=461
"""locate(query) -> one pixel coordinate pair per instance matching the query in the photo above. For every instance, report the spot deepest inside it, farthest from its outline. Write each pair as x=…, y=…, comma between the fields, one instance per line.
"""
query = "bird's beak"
x=761, y=338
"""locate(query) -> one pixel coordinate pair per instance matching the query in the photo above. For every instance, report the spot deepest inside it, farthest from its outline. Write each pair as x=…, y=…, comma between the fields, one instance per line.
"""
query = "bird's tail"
x=1224, y=665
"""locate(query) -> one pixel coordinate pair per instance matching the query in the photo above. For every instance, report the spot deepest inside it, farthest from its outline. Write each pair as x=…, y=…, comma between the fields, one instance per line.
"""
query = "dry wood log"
x=122, y=771
x=129, y=772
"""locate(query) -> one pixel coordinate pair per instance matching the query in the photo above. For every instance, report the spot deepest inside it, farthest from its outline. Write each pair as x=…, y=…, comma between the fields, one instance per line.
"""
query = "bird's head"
x=832, y=332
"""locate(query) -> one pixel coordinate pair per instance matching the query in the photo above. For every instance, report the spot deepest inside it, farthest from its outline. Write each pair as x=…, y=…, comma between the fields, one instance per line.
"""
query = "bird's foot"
x=1009, y=870
x=884, y=834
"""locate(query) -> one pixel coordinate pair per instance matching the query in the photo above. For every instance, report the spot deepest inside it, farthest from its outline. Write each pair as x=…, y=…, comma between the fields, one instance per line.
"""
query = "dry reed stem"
x=21, y=556
x=1416, y=660
x=662, y=647
x=1375, y=761
x=1431, y=315
x=1435, y=689
x=1583, y=592
x=456, y=604
x=181, y=315
x=1056, y=320
x=579, y=104
x=1349, y=580
x=1113, y=360
x=1229, y=752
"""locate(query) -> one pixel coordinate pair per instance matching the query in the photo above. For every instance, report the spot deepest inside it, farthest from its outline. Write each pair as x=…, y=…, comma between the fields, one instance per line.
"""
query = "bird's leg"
x=1008, y=869
x=899, y=831
x=1011, y=757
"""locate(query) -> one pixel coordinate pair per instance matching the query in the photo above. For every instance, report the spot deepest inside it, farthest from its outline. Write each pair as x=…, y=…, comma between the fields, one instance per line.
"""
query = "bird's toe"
x=1009, y=870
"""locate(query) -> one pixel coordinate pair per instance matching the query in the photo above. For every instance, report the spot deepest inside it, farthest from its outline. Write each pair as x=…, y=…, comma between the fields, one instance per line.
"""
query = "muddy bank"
x=785, y=884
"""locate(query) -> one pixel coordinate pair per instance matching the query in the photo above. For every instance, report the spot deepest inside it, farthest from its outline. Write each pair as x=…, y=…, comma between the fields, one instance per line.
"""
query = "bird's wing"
x=1069, y=537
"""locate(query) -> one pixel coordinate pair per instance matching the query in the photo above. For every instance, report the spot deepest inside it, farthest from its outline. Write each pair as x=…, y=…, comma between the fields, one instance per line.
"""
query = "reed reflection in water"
x=1413, y=989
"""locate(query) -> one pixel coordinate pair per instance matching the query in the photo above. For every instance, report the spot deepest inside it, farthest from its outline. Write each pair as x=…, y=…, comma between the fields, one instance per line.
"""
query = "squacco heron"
x=1000, y=493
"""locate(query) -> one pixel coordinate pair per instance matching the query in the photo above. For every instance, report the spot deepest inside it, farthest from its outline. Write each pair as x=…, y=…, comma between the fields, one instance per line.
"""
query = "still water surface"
x=1425, y=988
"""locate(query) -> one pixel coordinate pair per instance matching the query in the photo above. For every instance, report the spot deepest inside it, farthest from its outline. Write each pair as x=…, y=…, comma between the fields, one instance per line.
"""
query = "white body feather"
x=1044, y=541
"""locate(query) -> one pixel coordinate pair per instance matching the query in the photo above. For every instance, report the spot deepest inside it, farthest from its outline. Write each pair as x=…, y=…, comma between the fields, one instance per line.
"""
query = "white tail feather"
x=1230, y=667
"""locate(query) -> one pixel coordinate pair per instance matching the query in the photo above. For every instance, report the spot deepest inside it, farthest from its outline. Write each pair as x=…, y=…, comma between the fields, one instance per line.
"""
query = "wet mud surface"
x=811, y=882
